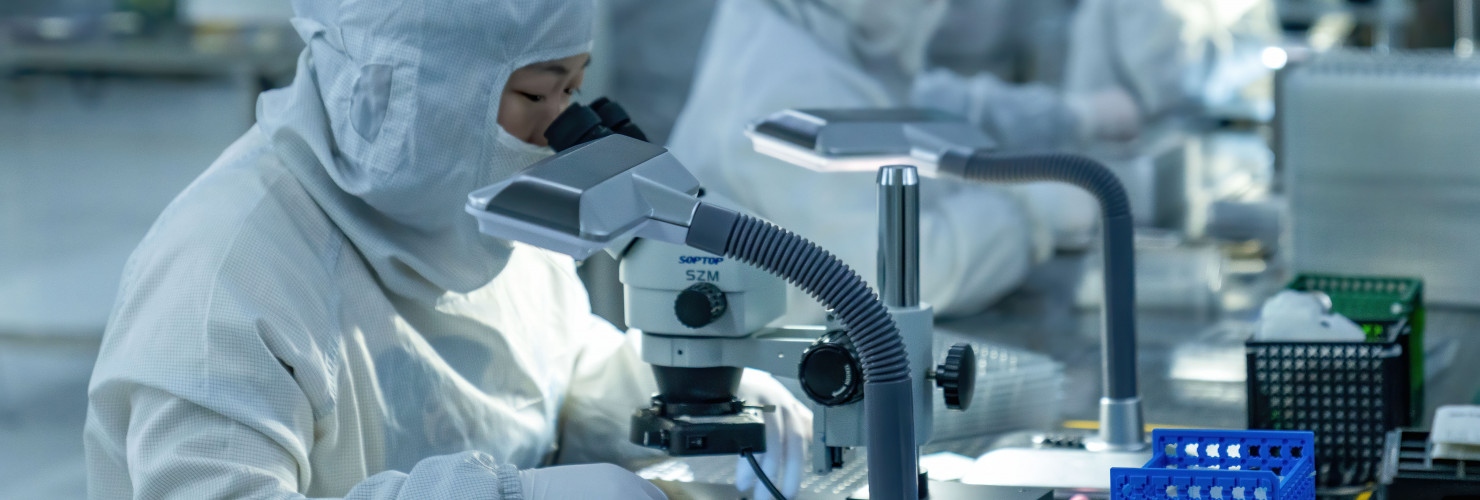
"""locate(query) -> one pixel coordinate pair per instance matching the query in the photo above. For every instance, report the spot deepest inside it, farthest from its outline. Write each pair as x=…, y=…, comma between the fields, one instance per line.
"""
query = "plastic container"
x=1410, y=474
x=1350, y=394
x=1203, y=464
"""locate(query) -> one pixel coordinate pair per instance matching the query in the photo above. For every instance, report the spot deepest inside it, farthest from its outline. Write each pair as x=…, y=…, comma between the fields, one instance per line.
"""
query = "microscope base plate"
x=700, y=435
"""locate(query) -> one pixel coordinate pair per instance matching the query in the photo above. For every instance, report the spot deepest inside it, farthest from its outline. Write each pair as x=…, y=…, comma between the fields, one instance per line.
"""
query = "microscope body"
x=704, y=316
x=692, y=308
x=843, y=425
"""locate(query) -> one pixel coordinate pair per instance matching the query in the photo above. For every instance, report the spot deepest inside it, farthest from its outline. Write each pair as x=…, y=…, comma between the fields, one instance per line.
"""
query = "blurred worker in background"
x=654, y=47
x=1172, y=57
x=762, y=56
x=1001, y=64
x=315, y=316
x=1126, y=63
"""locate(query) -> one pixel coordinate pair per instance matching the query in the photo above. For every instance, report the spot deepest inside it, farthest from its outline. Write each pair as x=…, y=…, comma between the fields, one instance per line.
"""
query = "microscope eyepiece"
x=614, y=117
x=580, y=124
x=576, y=125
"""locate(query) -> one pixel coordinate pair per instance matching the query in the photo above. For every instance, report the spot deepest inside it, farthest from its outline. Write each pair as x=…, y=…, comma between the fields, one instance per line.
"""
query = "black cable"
x=760, y=474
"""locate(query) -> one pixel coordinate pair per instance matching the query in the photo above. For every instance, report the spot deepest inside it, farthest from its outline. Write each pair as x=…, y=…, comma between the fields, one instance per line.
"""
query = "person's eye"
x=574, y=91
x=532, y=97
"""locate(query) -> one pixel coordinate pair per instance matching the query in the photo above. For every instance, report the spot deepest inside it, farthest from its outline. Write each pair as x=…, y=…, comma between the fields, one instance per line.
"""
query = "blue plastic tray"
x=1222, y=465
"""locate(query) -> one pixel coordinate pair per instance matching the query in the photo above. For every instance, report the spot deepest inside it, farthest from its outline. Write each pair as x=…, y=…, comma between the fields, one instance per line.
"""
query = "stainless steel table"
x=1046, y=321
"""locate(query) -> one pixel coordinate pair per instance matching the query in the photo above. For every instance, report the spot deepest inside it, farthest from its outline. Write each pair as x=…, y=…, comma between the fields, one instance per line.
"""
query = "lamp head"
x=849, y=140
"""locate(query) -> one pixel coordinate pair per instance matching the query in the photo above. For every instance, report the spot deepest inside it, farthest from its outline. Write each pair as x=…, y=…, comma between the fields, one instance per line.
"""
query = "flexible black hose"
x=1073, y=169
x=888, y=387
x=1119, y=314
x=819, y=273
x=761, y=475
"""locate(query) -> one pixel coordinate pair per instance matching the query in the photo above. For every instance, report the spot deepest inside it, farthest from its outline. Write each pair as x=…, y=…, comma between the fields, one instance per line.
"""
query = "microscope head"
x=598, y=195
x=604, y=194
x=842, y=140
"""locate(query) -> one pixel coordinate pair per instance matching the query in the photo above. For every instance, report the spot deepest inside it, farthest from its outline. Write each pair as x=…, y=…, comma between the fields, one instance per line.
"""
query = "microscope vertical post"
x=899, y=236
x=899, y=277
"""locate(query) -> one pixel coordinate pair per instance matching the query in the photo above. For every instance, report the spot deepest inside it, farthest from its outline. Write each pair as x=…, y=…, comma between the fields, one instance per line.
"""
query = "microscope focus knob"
x=829, y=371
x=700, y=305
x=957, y=376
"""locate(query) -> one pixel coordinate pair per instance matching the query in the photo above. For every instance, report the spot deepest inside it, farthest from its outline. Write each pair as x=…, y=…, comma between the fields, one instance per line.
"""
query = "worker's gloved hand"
x=788, y=431
x=586, y=481
x=1018, y=117
x=1106, y=115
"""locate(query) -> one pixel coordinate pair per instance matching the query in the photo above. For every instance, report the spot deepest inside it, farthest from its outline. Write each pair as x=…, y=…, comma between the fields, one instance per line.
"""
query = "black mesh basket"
x=1349, y=393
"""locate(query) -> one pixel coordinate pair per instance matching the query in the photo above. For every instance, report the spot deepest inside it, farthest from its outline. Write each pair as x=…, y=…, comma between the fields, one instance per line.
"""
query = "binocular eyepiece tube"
x=579, y=124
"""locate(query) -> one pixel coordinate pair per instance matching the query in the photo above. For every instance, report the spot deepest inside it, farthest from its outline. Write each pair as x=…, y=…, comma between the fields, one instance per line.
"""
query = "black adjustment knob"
x=829, y=371
x=957, y=376
x=700, y=305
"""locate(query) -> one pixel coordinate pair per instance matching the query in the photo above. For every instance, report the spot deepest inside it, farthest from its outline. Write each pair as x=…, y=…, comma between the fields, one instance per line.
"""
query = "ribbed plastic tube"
x=888, y=398
x=1119, y=315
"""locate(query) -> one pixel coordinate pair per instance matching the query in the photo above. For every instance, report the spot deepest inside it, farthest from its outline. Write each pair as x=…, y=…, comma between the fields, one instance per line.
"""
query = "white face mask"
x=514, y=155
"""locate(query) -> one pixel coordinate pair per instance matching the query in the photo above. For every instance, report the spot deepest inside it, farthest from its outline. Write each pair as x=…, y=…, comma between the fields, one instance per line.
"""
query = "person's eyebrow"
x=553, y=68
x=559, y=70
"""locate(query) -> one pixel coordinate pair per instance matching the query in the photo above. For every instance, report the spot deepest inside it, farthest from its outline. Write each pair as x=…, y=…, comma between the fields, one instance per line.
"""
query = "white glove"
x=1106, y=115
x=788, y=431
x=586, y=481
x=1019, y=117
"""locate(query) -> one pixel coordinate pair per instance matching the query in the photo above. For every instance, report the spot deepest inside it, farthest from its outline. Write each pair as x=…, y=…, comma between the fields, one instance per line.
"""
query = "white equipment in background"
x=1379, y=154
